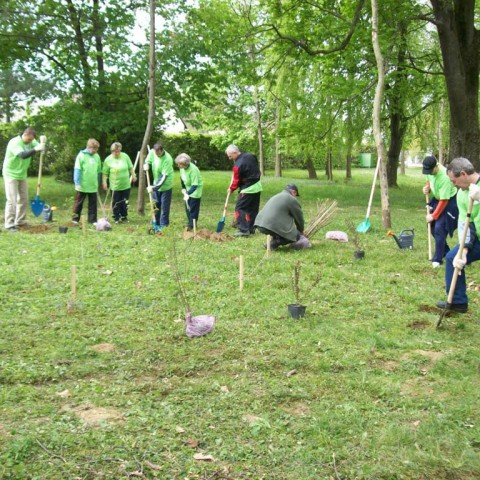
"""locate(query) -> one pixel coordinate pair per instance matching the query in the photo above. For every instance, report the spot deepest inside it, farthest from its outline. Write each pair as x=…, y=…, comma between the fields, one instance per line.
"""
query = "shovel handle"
x=372, y=191
x=429, y=229
x=40, y=166
x=457, y=271
x=226, y=203
x=135, y=166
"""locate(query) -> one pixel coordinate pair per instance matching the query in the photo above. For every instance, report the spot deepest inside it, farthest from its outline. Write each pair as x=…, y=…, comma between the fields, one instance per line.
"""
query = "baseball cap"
x=428, y=164
x=292, y=186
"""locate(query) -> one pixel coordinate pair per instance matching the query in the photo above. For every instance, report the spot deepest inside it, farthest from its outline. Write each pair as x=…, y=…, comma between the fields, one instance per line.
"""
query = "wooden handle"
x=372, y=191
x=134, y=166
x=226, y=203
x=457, y=271
x=40, y=166
x=429, y=230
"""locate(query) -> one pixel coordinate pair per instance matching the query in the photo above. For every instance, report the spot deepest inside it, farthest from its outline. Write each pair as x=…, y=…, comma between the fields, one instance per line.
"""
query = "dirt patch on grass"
x=419, y=324
x=104, y=347
x=429, y=309
x=94, y=415
x=389, y=366
x=205, y=234
x=35, y=228
x=416, y=388
x=298, y=409
x=431, y=355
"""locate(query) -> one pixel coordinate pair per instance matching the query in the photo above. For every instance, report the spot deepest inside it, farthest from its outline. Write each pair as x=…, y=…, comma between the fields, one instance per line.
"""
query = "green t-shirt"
x=462, y=203
x=90, y=168
x=118, y=169
x=14, y=167
x=192, y=176
x=161, y=166
x=440, y=185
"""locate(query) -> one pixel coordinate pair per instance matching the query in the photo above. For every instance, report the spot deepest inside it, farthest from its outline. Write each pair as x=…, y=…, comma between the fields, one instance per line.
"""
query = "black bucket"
x=296, y=311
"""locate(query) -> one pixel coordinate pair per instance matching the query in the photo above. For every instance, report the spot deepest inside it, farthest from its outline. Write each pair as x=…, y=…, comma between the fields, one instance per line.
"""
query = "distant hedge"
x=200, y=148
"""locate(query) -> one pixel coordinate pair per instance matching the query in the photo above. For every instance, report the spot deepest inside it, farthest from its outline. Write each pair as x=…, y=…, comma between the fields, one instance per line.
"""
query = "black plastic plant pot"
x=296, y=311
x=359, y=254
x=62, y=229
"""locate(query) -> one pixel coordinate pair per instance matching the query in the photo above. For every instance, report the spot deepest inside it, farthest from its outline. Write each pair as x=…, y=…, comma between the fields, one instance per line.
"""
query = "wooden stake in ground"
x=241, y=271
x=269, y=245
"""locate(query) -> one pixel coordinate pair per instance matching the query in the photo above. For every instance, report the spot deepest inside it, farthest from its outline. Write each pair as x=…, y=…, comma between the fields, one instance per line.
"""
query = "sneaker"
x=75, y=222
x=435, y=264
x=12, y=229
x=241, y=234
x=454, y=307
x=118, y=221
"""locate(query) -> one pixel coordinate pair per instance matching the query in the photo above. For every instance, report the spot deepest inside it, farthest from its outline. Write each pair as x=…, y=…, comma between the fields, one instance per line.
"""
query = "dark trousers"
x=193, y=210
x=277, y=240
x=120, y=204
x=445, y=225
x=460, y=293
x=78, y=205
x=163, y=200
x=246, y=211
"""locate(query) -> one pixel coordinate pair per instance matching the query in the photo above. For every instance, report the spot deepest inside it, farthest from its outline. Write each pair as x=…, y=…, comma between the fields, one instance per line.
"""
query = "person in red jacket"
x=245, y=178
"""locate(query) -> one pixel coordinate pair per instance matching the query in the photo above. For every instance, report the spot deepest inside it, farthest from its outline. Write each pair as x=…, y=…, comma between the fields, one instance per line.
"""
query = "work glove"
x=183, y=191
x=474, y=192
x=146, y=167
x=40, y=147
x=426, y=189
x=43, y=139
x=460, y=261
x=186, y=196
x=150, y=189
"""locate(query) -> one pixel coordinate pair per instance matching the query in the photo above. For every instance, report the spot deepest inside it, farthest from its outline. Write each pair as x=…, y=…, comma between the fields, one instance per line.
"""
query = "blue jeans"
x=163, y=201
x=460, y=294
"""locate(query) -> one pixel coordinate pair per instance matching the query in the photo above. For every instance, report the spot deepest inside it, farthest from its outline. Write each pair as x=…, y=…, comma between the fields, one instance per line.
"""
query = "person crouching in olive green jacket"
x=282, y=217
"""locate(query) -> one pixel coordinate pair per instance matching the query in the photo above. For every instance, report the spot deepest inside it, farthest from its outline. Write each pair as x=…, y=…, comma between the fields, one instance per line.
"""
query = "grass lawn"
x=364, y=387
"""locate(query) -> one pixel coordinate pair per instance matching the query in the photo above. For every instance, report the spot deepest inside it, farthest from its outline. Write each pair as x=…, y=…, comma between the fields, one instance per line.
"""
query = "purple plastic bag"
x=199, y=325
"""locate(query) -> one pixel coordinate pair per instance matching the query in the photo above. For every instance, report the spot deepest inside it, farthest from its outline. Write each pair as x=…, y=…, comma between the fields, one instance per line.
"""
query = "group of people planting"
x=118, y=173
x=455, y=203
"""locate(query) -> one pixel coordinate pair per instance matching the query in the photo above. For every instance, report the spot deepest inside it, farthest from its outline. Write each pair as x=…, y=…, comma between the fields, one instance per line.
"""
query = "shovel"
x=221, y=223
x=429, y=226
x=36, y=204
x=364, y=227
x=457, y=271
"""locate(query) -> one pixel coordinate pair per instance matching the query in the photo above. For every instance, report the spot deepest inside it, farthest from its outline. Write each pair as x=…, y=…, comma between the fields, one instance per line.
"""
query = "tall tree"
x=459, y=42
x=377, y=127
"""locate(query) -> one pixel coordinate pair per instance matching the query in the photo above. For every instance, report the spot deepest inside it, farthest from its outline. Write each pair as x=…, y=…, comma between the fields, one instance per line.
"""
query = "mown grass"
x=364, y=387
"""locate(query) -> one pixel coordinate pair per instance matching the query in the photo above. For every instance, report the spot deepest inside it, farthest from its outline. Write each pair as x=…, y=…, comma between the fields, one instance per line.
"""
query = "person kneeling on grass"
x=86, y=174
x=192, y=186
x=282, y=218
x=462, y=174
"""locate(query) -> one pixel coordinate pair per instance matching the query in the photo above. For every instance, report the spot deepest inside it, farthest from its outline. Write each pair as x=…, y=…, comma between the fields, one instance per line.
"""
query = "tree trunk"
x=459, y=43
x=151, y=112
x=377, y=131
x=397, y=131
x=441, y=149
x=312, y=173
x=258, y=122
x=278, y=158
